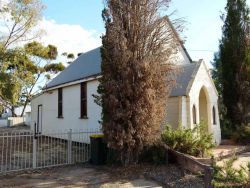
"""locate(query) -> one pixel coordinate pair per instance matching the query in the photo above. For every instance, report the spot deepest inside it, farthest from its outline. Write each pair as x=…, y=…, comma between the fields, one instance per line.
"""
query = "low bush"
x=242, y=134
x=227, y=176
x=194, y=142
x=227, y=129
x=155, y=154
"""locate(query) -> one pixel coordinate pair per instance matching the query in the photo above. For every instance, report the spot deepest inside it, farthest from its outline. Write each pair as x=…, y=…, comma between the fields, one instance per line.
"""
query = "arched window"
x=214, y=116
x=194, y=115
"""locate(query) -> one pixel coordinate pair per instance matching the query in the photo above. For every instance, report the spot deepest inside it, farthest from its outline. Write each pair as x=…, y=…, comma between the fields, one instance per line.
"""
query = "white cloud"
x=3, y=3
x=69, y=38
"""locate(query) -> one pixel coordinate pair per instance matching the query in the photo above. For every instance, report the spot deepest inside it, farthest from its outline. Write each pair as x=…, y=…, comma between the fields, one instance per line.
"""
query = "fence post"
x=70, y=146
x=34, y=151
x=208, y=177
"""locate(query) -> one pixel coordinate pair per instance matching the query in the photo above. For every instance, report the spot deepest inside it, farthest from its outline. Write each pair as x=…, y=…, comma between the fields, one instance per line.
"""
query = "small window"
x=83, y=100
x=60, y=103
x=214, y=116
x=194, y=115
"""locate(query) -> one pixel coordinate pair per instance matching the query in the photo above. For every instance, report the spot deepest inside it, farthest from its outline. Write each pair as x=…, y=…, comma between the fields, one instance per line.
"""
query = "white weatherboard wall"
x=71, y=109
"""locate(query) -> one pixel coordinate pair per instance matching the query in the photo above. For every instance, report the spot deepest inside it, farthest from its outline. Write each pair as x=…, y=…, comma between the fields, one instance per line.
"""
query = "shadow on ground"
x=143, y=176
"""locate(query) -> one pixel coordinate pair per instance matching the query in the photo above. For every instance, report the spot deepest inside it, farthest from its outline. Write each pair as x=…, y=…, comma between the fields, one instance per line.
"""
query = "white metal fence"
x=24, y=150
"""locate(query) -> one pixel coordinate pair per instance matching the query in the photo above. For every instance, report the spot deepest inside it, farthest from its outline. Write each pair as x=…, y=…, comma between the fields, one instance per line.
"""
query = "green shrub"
x=227, y=129
x=194, y=142
x=155, y=154
x=113, y=157
x=242, y=134
x=227, y=176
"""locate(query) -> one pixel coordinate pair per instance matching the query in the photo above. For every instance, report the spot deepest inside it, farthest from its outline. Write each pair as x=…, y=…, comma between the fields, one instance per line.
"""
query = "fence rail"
x=26, y=150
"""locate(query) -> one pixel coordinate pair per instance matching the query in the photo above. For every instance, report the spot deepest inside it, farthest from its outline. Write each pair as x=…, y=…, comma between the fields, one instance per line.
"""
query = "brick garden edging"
x=187, y=162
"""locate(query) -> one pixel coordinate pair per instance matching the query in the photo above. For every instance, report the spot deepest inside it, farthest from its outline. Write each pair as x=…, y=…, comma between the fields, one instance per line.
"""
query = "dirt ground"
x=23, y=128
x=71, y=177
x=103, y=177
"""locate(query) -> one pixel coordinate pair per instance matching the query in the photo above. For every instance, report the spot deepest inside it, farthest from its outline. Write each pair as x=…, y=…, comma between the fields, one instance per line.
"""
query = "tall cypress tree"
x=134, y=85
x=234, y=59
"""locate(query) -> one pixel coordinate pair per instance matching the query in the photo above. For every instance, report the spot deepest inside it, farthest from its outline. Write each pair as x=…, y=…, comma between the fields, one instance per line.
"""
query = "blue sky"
x=79, y=24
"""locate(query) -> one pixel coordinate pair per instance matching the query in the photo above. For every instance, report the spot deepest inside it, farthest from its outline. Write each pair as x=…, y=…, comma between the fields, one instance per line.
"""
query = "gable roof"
x=89, y=65
x=184, y=78
x=86, y=65
x=179, y=39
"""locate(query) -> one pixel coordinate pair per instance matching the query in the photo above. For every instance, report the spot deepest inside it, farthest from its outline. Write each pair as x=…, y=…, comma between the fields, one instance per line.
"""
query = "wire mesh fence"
x=23, y=150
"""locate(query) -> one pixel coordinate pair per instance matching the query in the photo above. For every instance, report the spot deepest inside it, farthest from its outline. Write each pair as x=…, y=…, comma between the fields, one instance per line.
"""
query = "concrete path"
x=142, y=183
x=228, y=150
x=242, y=160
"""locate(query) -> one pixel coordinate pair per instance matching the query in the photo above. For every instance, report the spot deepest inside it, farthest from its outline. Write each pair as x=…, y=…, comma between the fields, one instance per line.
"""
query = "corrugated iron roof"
x=86, y=65
x=186, y=75
x=89, y=64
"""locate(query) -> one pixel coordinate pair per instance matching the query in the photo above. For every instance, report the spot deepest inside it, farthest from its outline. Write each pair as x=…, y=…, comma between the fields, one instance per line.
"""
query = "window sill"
x=60, y=117
x=84, y=117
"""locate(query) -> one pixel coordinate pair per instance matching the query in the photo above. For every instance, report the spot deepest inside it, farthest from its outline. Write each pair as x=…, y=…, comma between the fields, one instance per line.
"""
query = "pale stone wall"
x=173, y=111
x=183, y=113
x=204, y=80
x=179, y=57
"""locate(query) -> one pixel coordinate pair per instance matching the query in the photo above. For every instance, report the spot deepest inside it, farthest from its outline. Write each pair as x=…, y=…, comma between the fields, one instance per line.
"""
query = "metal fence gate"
x=23, y=150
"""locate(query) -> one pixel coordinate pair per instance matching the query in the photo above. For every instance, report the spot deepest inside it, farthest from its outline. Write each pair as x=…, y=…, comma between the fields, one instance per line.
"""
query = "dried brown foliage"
x=136, y=73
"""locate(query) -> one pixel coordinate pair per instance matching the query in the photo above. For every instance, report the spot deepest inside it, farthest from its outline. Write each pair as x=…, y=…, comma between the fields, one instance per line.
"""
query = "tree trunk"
x=24, y=107
x=13, y=111
x=29, y=94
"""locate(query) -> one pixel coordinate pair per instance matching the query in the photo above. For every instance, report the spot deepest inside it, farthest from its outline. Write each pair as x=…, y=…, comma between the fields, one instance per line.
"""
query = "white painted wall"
x=27, y=118
x=183, y=114
x=38, y=100
x=203, y=79
x=180, y=57
x=173, y=111
x=179, y=109
x=3, y=122
x=15, y=121
x=71, y=109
